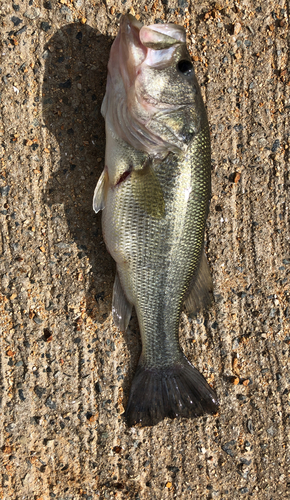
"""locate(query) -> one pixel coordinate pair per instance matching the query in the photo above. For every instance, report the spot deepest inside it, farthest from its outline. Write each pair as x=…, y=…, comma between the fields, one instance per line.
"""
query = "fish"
x=154, y=194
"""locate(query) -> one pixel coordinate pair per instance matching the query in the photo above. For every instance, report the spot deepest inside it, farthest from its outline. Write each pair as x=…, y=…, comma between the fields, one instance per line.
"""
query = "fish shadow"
x=74, y=85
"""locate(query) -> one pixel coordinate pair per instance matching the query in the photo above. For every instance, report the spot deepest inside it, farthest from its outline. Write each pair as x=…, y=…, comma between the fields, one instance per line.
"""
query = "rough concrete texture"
x=65, y=368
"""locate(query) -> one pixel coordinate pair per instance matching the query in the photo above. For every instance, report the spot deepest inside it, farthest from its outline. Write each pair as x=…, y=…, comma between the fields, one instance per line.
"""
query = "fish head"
x=152, y=100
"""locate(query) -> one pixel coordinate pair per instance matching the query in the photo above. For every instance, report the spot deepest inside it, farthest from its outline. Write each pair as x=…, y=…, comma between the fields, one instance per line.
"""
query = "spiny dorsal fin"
x=199, y=293
x=100, y=193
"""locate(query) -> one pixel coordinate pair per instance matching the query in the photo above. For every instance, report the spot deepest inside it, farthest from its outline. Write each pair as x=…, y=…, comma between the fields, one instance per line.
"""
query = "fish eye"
x=185, y=67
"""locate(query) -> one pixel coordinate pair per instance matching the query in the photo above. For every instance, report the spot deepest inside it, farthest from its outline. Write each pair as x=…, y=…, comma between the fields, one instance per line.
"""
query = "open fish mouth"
x=154, y=44
x=135, y=45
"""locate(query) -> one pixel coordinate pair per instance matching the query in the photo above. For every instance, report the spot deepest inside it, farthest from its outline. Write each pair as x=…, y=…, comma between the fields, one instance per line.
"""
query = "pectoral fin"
x=121, y=307
x=199, y=293
x=147, y=191
x=100, y=193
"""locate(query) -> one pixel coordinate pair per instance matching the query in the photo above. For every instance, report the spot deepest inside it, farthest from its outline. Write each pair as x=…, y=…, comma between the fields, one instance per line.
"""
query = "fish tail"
x=176, y=391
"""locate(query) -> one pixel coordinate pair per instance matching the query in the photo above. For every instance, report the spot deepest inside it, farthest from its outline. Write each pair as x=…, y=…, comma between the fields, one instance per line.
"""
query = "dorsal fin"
x=199, y=295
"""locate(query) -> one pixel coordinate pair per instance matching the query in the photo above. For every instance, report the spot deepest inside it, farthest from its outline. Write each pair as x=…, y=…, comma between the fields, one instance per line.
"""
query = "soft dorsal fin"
x=99, y=199
x=199, y=294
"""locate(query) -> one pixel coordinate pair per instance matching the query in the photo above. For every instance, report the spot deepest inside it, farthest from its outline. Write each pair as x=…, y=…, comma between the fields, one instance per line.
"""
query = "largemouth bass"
x=154, y=193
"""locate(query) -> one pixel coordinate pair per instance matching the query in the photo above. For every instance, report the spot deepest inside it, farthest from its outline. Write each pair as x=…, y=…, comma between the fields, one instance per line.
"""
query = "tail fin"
x=179, y=390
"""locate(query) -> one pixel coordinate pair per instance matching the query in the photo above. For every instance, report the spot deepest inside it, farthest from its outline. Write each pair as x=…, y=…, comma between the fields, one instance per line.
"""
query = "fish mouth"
x=155, y=36
x=137, y=105
x=153, y=45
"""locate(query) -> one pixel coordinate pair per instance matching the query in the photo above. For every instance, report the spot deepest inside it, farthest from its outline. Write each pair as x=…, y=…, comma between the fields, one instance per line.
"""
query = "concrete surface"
x=65, y=369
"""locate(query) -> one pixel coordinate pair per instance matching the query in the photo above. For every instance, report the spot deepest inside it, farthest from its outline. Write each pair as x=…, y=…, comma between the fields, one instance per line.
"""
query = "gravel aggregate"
x=65, y=369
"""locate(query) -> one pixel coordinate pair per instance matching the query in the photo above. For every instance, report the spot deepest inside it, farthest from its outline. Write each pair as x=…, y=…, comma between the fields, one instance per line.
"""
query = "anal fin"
x=121, y=307
x=200, y=290
x=100, y=193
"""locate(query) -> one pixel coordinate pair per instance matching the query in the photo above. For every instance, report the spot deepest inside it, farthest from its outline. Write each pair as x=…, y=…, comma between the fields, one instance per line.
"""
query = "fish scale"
x=178, y=241
x=155, y=202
